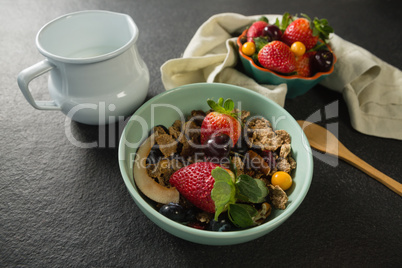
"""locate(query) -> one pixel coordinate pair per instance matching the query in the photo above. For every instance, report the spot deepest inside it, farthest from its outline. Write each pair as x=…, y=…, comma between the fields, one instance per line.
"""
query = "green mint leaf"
x=242, y=215
x=220, y=174
x=264, y=191
x=224, y=190
x=250, y=189
x=222, y=194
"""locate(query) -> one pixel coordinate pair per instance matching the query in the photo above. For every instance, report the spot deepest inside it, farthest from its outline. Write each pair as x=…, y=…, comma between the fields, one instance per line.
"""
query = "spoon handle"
x=352, y=159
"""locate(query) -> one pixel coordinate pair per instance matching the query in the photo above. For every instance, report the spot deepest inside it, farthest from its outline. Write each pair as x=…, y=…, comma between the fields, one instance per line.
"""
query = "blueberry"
x=225, y=227
x=173, y=211
x=222, y=225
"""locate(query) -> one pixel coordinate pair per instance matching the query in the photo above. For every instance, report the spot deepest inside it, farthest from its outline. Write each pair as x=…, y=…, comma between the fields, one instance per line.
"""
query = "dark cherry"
x=218, y=146
x=272, y=31
x=322, y=61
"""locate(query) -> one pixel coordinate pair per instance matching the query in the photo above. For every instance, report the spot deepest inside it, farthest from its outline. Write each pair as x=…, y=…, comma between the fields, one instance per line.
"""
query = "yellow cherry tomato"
x=248, y=48
x=298, y=48
x=282, y=179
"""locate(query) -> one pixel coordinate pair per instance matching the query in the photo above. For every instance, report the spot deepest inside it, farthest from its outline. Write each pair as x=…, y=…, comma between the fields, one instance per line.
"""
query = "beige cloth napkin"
x=371, y=88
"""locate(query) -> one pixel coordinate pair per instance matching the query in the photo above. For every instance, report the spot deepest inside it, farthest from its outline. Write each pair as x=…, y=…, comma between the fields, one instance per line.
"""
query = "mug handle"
x=30, y=73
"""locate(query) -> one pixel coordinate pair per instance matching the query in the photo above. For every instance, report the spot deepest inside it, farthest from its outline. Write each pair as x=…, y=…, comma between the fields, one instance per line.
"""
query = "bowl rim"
x=272, y=223
x=314, y=77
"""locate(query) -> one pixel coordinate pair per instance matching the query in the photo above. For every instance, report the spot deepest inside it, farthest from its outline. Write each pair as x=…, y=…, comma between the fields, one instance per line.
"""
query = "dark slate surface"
x=61, y=205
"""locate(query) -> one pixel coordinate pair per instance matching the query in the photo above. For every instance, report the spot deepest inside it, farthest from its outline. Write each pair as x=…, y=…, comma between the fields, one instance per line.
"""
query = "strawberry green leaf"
x=242, y=215
x=223, y=107
x=315, y=31
x=307, y=17
x=322, y=28
x=319, y=46
x=220, y=101
x=277, y=23
x=228, y=105
x=260, y=42
x=286, y=20
x=215, y=106
x=263, y=18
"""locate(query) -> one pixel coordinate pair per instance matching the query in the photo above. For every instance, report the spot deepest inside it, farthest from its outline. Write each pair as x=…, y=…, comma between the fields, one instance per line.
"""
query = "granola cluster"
x=261, y=136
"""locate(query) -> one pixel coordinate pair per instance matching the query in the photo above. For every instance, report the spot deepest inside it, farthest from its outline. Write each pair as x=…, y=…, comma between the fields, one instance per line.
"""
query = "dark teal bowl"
x=297, y=85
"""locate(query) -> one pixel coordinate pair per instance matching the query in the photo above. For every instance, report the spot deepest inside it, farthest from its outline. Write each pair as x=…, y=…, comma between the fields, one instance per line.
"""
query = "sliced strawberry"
x=255, y=30
x=303, y=64
x=195, y=183
x=278, y=57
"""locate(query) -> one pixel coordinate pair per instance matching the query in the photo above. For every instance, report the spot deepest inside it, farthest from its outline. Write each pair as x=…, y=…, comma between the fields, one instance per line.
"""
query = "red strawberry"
x=300, y=30
x=277, y=56
x=303, y=64
x=255, y=30
x=195, y=183
x=221, y=120
x=307, y=31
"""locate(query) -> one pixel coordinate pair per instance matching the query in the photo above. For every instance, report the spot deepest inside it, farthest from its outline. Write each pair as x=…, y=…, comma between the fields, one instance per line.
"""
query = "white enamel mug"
x=96, y=75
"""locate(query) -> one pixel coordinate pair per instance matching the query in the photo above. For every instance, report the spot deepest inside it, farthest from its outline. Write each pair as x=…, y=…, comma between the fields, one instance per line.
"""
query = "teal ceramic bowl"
x=297, y=85
x=167, y=107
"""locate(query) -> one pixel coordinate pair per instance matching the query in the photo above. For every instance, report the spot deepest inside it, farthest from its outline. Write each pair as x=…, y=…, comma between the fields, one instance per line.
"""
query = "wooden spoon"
x=324, y=141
